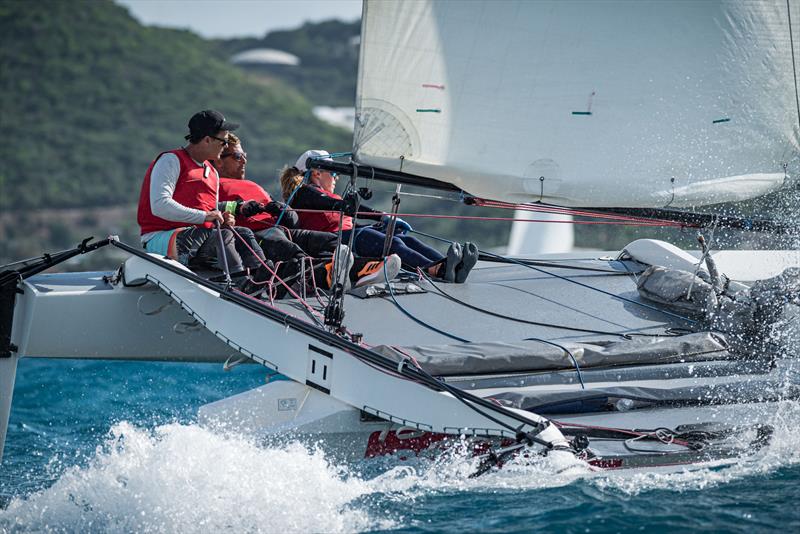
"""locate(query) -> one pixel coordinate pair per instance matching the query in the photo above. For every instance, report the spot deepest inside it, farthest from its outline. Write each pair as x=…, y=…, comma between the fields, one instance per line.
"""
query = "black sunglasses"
x=224, y=142
x=238, y=156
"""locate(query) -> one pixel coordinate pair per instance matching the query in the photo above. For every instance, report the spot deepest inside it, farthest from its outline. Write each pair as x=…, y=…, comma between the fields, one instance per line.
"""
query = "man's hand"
x=400, y=226
x=214, y=216
x=250, y=208
x=228, y=219
x=274, y=208
x=350, y=201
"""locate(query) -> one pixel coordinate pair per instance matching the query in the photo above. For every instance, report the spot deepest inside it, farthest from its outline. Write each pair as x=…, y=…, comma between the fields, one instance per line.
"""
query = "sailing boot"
x=255, y=283
x=341, y=264
x=455, y=256
x=376, y=271
x=470, y=258
x=445, y=269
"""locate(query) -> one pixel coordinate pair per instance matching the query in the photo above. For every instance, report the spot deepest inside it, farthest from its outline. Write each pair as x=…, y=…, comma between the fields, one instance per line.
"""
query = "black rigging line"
x=459, y=393
x=415, y=318
x=555, y=263
x=49, y=260
x=625, y=335
x=570, y=280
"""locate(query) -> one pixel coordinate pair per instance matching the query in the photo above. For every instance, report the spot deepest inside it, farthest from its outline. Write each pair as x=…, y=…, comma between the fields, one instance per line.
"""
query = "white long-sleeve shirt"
x=163, y=179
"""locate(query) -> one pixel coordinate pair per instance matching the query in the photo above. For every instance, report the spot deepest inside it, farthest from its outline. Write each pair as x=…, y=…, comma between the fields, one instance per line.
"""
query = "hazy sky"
x=239, y=18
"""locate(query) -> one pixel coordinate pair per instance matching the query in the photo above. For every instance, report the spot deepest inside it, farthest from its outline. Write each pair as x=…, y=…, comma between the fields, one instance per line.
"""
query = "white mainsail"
x=582, y=103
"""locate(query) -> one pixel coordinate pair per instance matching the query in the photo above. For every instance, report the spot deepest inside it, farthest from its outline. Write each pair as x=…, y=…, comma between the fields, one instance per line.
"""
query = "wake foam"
x=187, y=478
x=781, y=452
x=181, y=478
x=451, y=473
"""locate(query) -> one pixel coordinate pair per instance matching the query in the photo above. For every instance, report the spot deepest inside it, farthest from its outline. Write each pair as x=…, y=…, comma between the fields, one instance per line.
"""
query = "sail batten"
x=640, y=104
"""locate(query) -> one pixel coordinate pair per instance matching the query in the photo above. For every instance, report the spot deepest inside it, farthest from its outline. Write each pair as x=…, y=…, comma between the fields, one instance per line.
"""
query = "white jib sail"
x=582, y=103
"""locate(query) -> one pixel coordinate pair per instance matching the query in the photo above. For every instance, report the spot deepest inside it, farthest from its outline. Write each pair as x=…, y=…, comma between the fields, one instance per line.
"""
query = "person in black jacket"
x=319, y=208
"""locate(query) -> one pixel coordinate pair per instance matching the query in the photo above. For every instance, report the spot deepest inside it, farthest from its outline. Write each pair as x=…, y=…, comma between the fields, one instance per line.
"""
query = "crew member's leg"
x=314, y=243
x=419, y=246
x=277, y=246
x=369, y=242
x=201, y=246
x=250, y=252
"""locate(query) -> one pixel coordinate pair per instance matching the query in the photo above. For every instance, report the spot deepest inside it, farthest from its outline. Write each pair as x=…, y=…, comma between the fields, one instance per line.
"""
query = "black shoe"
x=454, y=259
x=254, y=284
x=470, y=258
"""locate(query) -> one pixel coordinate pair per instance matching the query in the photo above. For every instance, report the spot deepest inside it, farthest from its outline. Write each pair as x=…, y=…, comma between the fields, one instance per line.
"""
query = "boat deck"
x=570, y=297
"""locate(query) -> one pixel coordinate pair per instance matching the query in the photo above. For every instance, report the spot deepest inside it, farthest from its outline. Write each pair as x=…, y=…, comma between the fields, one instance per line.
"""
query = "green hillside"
x=89, y=97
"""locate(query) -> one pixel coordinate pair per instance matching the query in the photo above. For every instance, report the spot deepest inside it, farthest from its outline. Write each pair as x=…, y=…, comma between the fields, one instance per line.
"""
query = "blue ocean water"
x=114, y=447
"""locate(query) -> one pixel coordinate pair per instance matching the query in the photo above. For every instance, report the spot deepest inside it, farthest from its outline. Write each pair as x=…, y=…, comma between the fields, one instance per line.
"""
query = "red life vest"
x=244, y=190
x=323, y=221
x=196, y=188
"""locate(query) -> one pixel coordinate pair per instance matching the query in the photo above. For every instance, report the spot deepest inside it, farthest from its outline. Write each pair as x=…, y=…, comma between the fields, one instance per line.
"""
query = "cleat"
x=373, y=271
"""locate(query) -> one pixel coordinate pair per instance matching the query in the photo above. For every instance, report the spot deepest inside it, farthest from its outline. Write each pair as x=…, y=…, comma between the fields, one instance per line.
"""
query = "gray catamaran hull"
x=153, y=310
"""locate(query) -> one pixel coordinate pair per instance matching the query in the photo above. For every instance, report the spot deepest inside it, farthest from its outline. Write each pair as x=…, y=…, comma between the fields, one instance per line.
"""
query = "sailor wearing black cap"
x=178, y=203
x=209, y=123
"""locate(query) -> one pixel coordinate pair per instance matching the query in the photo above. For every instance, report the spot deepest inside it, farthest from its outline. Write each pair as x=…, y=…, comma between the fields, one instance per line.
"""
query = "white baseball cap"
x=300, y=165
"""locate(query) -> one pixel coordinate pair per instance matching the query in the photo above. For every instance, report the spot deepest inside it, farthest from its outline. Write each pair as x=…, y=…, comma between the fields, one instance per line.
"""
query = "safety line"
x=414, y=318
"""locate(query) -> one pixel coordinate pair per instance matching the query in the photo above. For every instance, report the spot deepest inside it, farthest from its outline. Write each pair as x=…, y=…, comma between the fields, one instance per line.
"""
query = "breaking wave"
x=184, y=478
x=188, y=478
x=780, y=453
x=555, y=471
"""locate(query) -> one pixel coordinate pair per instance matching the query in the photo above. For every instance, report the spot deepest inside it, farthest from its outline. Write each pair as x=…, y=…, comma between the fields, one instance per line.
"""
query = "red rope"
x=571, y=211
x=313, y=279
x=620, y=221
x=275, y=275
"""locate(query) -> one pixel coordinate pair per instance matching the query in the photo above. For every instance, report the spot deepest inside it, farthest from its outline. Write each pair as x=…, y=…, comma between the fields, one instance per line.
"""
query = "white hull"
x=157, y=312
x=284, y=410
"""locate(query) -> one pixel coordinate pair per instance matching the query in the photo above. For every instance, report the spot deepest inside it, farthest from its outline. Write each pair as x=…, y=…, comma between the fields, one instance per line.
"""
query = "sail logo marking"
x=588, y=106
